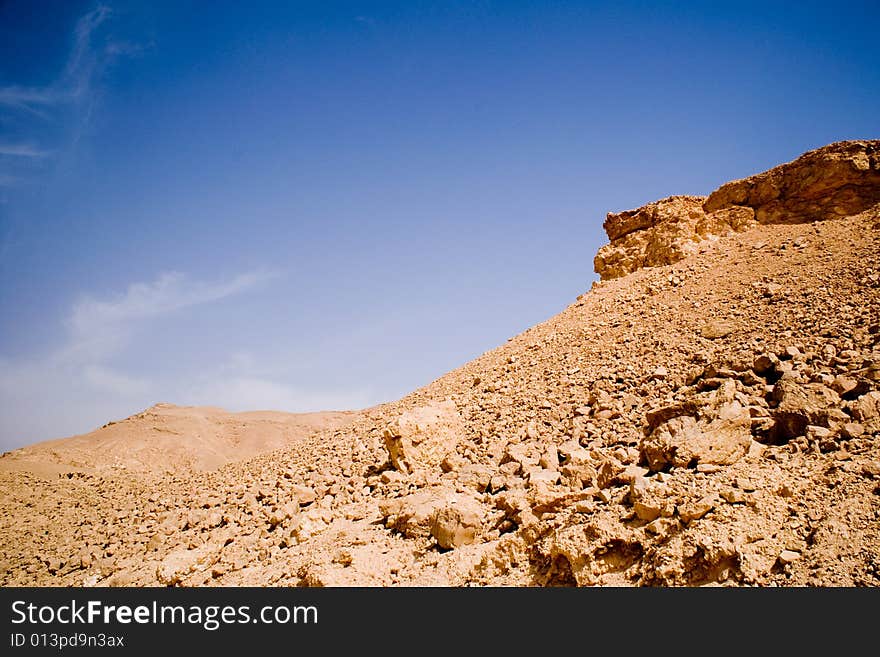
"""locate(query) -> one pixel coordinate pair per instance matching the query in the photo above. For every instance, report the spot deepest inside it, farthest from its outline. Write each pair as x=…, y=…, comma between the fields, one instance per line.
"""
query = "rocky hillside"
x=709, y=415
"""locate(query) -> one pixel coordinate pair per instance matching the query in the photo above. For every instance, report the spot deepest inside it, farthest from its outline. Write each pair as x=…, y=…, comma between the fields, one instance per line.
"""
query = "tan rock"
x=537, y=475
x=717, y=329
x=866, y=410
x=833, y=181
x=646, y=510
x=765, y=363
x=662, y=527
x=181, y=563
x=685, y=442
x=696, y=510
x=852, y=430
x=608, y=472
x=843, y=384
x=391, y=477
x=305, y=495
x=474, y=476
x=800, y=405
x=735, y=496
x=454, y=526
x=421, y=438
x=788, y=556
x=662, y=233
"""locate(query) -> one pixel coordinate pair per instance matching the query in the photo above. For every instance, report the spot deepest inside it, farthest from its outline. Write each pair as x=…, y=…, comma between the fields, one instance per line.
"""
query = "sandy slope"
x=165, y=438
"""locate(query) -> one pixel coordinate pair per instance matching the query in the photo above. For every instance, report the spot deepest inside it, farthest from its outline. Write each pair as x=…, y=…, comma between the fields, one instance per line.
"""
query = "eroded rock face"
x=837, y=180
x=659, y=233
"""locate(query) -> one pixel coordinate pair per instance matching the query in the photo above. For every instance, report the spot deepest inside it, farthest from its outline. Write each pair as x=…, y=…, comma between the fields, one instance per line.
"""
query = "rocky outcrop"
x=837, y=180
x=834, y=181
x=664, y=232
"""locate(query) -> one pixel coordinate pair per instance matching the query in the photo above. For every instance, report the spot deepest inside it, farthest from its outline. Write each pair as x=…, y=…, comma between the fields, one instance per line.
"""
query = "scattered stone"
x=717, y=329
x=735, y=496
x=686, y=442
x=660, y=373
x=852, y=430
x=454, y=526
x=647, y=511
x=843, y=384
x=392, y=476
x=305, y=495
x=765, y=364
x=866, y=411
x=798, y=406
x=631, y=473
x=537, y=475
x=788, y=556
x=696, y=510
x=607, y=473
x=790, y=352
x=180, y=563
x=662, y=527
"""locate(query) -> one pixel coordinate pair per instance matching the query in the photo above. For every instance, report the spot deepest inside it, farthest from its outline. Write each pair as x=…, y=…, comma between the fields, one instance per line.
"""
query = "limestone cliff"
x=837, y=180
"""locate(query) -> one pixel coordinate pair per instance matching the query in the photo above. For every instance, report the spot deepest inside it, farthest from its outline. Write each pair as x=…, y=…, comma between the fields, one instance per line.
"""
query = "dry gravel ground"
x=715, y=421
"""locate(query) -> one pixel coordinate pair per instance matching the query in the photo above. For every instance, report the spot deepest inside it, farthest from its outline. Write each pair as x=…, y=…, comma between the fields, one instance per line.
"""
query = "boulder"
x=798, y=406
x=421, y=438
x=453, y=519
x=685, y=441
x=456, y=525
x=179, y=564
x=696, y=510
x=866, y=410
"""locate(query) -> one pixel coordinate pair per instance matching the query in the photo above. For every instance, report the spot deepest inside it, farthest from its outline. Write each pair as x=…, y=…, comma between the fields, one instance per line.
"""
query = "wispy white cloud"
x=102, y=327
x=31, y=98
x=366, y=20
x=68, y=102
x=81, y=58
x=22, y=150
x=171, y=291
x=127, y=48
x=245, y=383
x=109, y=380
x=249, y=393
x=249, y=382
x=76, y=77
x=75, y=385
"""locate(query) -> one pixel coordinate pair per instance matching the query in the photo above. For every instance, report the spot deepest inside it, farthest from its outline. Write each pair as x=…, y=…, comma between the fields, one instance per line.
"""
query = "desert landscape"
x=708, y=414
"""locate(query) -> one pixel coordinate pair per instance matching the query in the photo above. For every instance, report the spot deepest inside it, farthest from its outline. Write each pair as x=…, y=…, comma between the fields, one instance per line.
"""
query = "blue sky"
x=329, y=204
